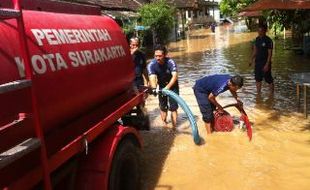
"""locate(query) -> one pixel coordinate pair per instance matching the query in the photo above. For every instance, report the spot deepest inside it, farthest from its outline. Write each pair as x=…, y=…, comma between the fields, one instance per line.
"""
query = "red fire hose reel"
x=223, y=122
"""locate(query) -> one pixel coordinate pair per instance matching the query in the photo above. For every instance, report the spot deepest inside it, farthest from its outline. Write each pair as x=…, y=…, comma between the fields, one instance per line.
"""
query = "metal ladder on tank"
x=32, y=143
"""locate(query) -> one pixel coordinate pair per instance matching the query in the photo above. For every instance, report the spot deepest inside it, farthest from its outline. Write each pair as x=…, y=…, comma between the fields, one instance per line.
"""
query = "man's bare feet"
x=164, y=123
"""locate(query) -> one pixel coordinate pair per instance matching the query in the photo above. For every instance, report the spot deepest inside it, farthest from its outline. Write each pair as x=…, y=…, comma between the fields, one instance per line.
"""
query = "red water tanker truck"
x=66, y=77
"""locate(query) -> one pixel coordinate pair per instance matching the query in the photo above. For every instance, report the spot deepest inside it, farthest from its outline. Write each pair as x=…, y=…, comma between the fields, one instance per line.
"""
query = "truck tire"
x=125, y=169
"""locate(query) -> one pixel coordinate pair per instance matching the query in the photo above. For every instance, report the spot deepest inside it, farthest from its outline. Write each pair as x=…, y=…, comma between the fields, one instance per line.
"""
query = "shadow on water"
x=157, y=145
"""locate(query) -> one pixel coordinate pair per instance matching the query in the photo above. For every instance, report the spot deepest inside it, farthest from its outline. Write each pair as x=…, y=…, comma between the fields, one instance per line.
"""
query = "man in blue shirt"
x=261, y=58
x=164, y=70
x=208, y=88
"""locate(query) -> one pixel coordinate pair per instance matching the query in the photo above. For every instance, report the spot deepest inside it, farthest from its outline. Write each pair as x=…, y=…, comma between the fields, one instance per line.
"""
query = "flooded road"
x=278, y=157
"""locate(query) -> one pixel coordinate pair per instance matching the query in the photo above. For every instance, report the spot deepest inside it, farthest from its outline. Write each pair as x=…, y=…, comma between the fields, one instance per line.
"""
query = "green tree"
x=159, y=16
x=233, y=7
x=296, y=20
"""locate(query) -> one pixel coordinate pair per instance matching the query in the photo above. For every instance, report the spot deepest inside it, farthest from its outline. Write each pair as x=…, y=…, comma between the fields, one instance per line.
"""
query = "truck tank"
x=78, y=62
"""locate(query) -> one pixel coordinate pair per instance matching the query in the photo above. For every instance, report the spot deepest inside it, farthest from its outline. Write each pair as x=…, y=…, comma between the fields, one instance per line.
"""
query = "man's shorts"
x=260, y=74
x=163, y=102
x=205, y=106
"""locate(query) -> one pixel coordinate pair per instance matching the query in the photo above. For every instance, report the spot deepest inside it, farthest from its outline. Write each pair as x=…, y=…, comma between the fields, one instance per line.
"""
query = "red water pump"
x=223, y=122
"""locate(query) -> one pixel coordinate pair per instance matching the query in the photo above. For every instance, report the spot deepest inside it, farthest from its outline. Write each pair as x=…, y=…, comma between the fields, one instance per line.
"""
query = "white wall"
x=216, y=15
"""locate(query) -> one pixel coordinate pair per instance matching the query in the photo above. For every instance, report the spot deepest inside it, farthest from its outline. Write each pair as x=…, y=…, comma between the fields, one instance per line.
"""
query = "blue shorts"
x=163, y=102
x=260, y=74
x=205, y=106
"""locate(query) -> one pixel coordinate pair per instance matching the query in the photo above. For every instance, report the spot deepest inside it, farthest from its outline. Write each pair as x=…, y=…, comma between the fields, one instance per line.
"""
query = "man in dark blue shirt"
x=261, y=58
x=139, y=60
x=208, y=88
x=164, y=70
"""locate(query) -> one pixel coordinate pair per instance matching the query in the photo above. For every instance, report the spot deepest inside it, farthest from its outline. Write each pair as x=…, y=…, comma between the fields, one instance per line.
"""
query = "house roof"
x=208, y=3
x=182, y=3
x=250, y=14
x=115, y=4
x=143, y=1
x=278, y=4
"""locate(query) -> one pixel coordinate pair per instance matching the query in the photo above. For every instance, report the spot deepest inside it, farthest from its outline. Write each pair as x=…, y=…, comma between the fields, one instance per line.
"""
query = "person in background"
x=261, y=59
x=163, y=72
x=208, y=88
x=141, y=77
x=213, y=25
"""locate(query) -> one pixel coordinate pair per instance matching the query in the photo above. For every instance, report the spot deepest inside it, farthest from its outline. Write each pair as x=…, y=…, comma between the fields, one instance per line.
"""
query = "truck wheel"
x=125, y=170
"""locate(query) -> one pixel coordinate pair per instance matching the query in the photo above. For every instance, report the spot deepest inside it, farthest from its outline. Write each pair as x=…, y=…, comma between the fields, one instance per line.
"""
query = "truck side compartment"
x=97, y=125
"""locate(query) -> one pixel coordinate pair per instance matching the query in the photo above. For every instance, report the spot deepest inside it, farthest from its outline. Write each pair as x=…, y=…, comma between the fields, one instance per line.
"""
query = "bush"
x=159, y=16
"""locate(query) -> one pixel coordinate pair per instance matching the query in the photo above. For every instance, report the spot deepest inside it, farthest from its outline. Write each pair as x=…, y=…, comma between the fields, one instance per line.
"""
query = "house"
x=189, y=13
x=194, y=14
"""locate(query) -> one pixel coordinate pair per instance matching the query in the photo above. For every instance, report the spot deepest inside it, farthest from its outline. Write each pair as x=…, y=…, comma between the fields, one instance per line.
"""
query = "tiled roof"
x=182, y=3
x=143, y=1
x=115, y=4
x=278, y=4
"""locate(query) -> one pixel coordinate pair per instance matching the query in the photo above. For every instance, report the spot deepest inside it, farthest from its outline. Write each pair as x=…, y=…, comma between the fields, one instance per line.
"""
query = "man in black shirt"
x=261, y=58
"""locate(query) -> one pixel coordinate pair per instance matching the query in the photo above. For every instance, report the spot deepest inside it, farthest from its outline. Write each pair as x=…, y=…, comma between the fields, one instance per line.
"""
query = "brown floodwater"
x=278, y=157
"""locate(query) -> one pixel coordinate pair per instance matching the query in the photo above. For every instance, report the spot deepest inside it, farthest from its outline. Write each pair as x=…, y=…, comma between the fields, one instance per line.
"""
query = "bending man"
x=208, y=88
